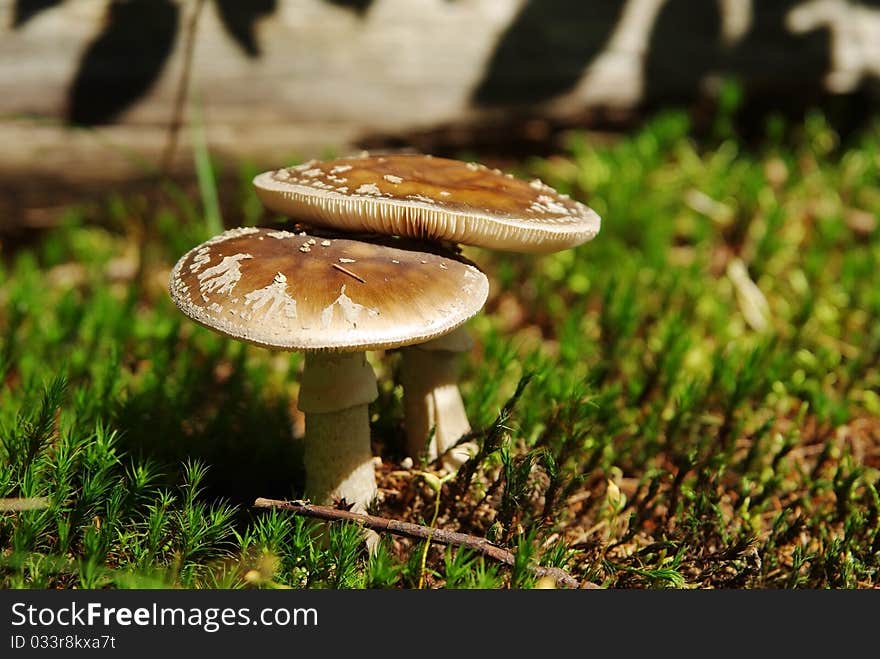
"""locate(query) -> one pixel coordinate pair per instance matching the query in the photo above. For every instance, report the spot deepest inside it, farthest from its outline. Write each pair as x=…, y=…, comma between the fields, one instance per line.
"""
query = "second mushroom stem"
x=335, y=393
x=432, y=400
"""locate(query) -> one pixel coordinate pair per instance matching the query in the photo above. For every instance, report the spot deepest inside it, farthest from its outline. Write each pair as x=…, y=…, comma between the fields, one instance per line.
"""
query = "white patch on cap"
x=280, y=235
x=274, y=295
x=338, y=169
x=369, y=189
x=202, y=258
x=222, y=277
x=229, y=234
x=350, y=309
x=552, y=205
x=545, y=204
x=391, y=178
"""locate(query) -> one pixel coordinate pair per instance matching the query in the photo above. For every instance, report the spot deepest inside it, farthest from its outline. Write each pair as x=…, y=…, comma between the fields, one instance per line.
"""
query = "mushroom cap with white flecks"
x=297, y=291
x=425, y=197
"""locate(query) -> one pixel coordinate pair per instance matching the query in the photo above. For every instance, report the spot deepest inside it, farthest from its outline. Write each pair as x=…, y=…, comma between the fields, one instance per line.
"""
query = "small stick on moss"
x=20, y=504
x=410, y=530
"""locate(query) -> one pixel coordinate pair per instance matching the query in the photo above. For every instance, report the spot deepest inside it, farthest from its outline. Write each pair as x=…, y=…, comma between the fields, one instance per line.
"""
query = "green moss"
x=641, y=426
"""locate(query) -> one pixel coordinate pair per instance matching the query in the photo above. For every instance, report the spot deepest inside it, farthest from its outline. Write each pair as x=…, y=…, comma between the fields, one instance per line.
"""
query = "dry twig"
x=176, y=121
x=27, y=503
x=410, y=530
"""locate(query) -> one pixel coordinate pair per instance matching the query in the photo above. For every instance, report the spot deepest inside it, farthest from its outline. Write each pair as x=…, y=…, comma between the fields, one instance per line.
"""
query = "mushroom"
x=332, y=299
x=430, y=199
x=432, y=400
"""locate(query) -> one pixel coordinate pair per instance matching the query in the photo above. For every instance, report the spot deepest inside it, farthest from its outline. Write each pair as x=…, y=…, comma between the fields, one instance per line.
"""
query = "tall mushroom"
x=333, y=299
x=430, y=199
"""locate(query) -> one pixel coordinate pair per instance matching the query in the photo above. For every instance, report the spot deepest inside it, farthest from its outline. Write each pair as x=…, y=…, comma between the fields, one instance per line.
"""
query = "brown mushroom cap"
x=420, y=196
x=295, y=291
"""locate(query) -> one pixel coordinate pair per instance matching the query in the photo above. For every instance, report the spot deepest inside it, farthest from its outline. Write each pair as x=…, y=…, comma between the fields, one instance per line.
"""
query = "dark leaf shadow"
x=24, y=10
x=359, y=6
x=239, y=19
x=675, y=65
x=124, y=61
x=545, y=51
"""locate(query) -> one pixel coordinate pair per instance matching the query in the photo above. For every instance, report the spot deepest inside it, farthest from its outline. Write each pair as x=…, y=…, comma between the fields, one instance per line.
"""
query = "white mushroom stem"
x=429, y=376
x=335, y=393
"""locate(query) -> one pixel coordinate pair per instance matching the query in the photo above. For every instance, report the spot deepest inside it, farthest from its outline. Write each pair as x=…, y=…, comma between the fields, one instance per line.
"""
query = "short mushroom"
x=431, y=199
x=333, y=299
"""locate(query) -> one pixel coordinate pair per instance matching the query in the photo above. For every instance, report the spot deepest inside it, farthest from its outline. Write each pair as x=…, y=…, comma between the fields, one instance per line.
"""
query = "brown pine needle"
x=349, y=273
